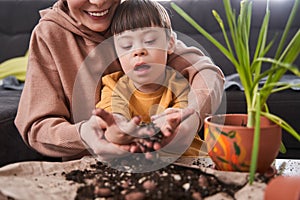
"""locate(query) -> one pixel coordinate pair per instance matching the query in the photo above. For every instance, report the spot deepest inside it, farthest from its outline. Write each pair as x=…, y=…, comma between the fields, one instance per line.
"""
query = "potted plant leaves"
x=228, y=146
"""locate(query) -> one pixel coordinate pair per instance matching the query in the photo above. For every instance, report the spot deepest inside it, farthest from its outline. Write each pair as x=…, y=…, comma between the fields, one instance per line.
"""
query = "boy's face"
x=143, y=54
x=94, y=14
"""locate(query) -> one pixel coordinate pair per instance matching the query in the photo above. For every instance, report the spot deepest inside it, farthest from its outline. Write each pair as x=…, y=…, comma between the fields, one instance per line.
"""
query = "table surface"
x=288, y=167
x=18, y=177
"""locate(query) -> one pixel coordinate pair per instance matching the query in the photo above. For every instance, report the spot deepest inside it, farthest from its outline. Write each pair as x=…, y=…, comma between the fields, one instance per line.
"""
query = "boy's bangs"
x=137, y=20
x=137, y=15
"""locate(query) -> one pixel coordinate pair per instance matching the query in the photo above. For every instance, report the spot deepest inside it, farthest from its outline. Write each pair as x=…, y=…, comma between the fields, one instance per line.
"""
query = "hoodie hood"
x=59, y=13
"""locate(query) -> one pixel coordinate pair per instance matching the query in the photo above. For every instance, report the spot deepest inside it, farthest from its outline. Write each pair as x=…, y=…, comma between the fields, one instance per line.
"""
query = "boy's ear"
x=171, y=45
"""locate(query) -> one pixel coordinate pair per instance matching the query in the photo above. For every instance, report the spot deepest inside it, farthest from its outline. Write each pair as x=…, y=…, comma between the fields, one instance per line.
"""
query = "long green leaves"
x=250, y=70
x=282, y=123
x=227, y=53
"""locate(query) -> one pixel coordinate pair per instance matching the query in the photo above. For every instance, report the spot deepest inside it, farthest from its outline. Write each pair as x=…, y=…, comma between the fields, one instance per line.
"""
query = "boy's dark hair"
x=133, y=14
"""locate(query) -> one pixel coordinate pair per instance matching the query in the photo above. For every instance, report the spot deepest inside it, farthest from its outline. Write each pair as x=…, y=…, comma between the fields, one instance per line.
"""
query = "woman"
x=50, y=117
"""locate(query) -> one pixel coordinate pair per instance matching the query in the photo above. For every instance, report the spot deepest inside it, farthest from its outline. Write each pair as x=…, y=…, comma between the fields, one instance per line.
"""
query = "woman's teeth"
x=98, y=14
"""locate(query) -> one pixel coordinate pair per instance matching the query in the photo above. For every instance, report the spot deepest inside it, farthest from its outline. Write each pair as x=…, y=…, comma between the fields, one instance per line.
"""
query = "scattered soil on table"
x=170, y=182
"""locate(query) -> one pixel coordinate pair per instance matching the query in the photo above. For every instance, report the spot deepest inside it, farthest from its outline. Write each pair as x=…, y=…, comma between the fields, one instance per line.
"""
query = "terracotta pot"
x=229, y=142
x=283, y=187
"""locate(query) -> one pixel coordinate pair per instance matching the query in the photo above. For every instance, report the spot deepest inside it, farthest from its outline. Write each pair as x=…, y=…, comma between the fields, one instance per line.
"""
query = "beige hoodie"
x=64, y=70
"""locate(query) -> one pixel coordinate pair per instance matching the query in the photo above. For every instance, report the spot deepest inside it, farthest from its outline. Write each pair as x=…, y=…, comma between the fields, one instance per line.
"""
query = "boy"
x=143, y=40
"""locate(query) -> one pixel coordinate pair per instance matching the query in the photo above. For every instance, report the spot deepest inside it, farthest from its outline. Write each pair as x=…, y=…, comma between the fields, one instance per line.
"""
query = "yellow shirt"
x=119, y=95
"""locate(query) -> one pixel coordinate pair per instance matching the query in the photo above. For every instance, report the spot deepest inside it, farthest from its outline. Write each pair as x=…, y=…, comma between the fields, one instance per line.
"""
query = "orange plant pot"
x=229, y=142
x=283, y=187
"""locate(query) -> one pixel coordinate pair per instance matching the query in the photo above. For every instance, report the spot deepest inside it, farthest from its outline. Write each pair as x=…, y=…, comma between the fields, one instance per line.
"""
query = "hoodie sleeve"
x=43, y=118
x=205, y=78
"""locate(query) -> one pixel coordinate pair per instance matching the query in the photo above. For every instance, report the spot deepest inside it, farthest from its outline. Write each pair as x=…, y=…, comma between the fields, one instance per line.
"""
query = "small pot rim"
x=206, y=121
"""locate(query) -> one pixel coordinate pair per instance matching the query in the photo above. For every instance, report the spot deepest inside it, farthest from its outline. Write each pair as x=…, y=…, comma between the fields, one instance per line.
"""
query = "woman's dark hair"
x=133, y=14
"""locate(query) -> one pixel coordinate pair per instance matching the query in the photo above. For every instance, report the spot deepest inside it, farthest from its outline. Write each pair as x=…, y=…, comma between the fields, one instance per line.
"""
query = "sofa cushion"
x=13, y=148
x=18, y=18
x=8, y=103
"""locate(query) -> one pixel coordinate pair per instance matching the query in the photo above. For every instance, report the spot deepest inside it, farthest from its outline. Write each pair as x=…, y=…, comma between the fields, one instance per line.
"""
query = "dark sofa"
x=18, y=18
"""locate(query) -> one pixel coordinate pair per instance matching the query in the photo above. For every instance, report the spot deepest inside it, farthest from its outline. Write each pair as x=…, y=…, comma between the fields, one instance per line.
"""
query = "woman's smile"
x=97, y=16
x=97, y=13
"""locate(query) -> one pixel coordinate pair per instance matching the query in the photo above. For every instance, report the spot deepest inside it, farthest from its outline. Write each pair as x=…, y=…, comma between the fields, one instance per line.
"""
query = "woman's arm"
x=44, y=119
x=205, y=78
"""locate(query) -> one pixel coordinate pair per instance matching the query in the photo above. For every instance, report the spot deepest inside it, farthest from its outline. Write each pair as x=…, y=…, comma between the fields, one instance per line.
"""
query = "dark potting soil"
x=119, y=179
x=170, y=182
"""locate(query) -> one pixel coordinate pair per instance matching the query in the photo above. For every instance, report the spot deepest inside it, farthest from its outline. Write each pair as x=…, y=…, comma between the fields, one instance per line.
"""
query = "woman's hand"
x=110, y=136
x=93, y=134
x=118, y=129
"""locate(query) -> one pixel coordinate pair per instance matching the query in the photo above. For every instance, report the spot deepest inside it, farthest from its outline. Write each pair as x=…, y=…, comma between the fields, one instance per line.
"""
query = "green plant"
x=250, y=69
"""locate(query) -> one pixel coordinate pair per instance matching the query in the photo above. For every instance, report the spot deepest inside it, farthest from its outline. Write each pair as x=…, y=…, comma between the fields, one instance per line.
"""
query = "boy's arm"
x=118, y=129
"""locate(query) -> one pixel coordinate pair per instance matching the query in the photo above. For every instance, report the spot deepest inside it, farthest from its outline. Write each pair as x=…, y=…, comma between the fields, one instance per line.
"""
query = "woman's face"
x=94, y=14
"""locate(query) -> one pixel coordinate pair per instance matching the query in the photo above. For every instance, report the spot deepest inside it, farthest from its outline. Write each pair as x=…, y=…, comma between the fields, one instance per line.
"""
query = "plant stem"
x=256, y=137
